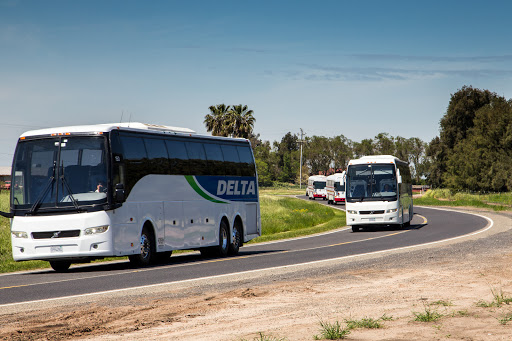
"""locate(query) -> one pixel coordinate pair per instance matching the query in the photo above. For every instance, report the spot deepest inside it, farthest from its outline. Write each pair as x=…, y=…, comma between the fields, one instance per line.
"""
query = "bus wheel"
x=223, y=247
x=147, y=249
x=60, y=265
x=355, y=229
x=236, y=239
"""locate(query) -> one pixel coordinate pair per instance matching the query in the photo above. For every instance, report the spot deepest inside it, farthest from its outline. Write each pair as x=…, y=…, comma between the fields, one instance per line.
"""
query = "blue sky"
x=328, y=67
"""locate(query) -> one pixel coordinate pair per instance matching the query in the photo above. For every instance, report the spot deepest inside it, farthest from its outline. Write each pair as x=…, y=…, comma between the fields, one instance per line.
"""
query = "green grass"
x=428, y=315
x=283, y=190
x=368, y=323
x=499, y=299
x=506, y=319
x=282, y=217
x=332, y=331
x=444, y=197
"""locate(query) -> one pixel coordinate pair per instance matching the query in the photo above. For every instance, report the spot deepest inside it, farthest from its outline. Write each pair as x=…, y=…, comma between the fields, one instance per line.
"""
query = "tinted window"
x=246, y=161
x=133, y=148
x=134, y=154
x=215, y=159
x=157, y=155
x=197, y=158
x=231, y=160
x=178, y=157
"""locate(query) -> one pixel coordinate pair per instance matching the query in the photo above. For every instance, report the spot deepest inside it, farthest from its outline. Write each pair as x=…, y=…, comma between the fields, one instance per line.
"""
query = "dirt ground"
x=454, y=280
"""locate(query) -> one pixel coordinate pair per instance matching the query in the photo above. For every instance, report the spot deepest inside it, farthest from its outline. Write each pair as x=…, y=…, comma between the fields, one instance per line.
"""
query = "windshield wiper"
x=73, y=200
x=41, y=196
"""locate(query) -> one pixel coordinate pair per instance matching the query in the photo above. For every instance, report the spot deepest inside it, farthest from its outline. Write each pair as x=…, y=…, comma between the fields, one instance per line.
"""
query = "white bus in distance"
x=316, y=187
x=335, y=188
x=130, y=189
x=379, y=192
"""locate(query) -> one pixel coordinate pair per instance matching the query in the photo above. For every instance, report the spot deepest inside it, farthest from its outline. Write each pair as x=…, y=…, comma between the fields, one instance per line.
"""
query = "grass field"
x=282, y=217
x=444, y=197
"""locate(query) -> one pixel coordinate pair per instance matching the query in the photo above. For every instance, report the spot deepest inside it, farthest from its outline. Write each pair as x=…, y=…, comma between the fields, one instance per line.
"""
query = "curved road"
x=429, y=225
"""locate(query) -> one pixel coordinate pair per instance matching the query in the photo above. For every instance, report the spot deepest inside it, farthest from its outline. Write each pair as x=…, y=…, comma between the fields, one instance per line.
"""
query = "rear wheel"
x=147, y=249
x=60, y=265
x=355, y=229
x=236, y=239
x=223, y=247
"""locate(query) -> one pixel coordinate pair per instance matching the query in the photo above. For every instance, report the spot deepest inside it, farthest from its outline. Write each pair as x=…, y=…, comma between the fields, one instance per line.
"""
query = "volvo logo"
x=56, y=234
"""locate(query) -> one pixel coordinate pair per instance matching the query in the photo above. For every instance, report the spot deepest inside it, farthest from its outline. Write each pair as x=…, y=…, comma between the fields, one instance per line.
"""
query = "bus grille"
x=56, y=234
x=371, y=212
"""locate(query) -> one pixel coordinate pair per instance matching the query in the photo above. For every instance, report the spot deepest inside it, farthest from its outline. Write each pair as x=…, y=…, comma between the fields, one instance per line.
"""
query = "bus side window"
x=231, y=160
x=178, y=157
x=215, y=158
x=157, y=156
x=246, y=161
x=134, y=160
x=117, y=158
x=197, y=158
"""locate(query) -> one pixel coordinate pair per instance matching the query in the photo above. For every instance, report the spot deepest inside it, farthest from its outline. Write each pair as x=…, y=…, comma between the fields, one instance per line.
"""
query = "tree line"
x=474, y=148
x=280, y=161
x=472, y=152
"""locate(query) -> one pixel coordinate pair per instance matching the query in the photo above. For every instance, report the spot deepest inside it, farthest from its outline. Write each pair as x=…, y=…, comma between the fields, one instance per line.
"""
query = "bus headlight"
x=96, y=230
x=393, y=210
x=19, y=234
x=351, y=212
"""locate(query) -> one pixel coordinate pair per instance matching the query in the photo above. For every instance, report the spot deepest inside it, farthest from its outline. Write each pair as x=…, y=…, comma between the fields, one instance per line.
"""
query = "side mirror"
x=119, y=193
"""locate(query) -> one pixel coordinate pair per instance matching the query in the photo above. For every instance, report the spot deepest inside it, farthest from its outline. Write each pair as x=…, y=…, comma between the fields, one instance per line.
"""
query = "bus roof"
x=106, y=127
x=125, y=126
x=336, y=176
x=318, y=178
x=376, y=159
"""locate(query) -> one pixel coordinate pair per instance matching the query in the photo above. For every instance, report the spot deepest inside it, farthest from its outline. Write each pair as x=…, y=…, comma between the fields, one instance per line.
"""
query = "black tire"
x=147, y=249
x=223, y=247
x=355, y=229
x=60, y=265
x=236, y=239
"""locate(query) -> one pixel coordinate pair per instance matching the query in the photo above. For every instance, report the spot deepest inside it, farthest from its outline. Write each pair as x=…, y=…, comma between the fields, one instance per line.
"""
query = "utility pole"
x=301, y=143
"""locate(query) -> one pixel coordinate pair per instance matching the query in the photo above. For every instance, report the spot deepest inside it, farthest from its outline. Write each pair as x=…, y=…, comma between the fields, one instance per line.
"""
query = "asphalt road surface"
x=429, y=225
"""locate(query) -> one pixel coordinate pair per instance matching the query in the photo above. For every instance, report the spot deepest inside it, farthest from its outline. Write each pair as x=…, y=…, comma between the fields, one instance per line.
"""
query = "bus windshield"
x=319, y=185
x=59, y=173
x=338, y=187
x=372, y=182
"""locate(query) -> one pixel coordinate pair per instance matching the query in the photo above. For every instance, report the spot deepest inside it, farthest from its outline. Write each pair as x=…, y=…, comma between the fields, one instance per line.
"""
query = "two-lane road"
x=429, y=225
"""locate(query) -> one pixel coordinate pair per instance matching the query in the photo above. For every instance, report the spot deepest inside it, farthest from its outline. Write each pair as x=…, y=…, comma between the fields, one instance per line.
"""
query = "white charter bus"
x=130, y=189
x=378, y=192
x=316, y=187
x=335, y=188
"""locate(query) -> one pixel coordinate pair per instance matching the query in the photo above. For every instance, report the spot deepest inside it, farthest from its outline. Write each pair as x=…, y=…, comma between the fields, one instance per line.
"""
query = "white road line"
x=490, y=225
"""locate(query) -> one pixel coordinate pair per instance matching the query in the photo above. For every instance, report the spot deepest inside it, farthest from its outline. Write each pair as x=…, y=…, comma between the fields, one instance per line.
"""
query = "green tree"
x=240, y=121
x=481, y=162
x=384, y=144
x=215, y=121
x=288, y=158
x=363, y=148
x=461, y=112
x=436, y=156
x=340, y=149
x=316, y=154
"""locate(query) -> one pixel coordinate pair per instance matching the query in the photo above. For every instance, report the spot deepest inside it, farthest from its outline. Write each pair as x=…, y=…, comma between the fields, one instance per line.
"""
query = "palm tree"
x=216, y=120
x=240, y=121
